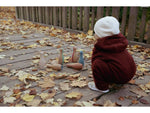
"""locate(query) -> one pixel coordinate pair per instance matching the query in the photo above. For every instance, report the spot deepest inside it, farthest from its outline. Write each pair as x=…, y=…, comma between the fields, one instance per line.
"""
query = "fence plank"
x=93, y=18
x=60, y=16
x=132, y=23
x=27, y=13
x=100, y=12
x=21, y=12
x=107, y=11
x=74, y=17
x=80, y=18
x=64, y=17
x=69, y=17
x=148, y=34
x=17, y=12
x=143, y=24
x=33, y=14
x=86, y=19
x=55, y=16
x=115, y=12
x=51, y=15
x=123, y=22
x=40, y=16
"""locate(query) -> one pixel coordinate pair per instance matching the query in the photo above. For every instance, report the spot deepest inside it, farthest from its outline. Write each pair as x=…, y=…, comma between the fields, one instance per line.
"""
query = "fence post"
x=33, y=14
x=132, y=23
x=80, y=18
x=100, y=12
x=143, y=24
x=86, y=19
x=74, y=17
x=60, y=16
x=39, y=12
x=27, y=13
x=69, y=17
x=51, y=15
x=115, y=12
x=17, y=13
x=93, y=18
x=64, y=17
x=148, y=34
x=123, y=22
x=55, y=14
x=21, y=12
x=107, y=11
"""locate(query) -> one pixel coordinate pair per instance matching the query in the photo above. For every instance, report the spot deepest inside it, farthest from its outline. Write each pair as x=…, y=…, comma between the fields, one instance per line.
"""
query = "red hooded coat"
x=111, y=62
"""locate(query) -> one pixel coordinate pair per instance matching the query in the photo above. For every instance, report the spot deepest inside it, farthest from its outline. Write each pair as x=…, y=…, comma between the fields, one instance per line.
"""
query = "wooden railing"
x=134, y=23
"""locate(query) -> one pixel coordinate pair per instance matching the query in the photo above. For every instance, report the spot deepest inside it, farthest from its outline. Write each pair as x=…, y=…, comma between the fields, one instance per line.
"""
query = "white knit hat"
x=106, y=26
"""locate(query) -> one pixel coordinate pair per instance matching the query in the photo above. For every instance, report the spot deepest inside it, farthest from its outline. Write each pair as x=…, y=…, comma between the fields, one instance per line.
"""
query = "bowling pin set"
x=77, y=61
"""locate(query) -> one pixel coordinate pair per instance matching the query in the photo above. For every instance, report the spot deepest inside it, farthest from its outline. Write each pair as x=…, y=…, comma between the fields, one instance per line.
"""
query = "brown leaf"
x=16, y=91
x=135, y=102
x=47, y=82
x=3, y=69
x=143, y=101
x=132, y=81
x=32, y=92
x=121, y=98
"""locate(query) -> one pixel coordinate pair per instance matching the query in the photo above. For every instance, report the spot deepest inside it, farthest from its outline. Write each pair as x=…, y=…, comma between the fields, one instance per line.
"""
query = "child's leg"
x=100, y=74
x=99, y=82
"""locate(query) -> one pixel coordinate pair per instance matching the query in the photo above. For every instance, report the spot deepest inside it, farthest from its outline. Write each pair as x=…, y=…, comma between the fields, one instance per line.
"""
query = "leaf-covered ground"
x=22, y=83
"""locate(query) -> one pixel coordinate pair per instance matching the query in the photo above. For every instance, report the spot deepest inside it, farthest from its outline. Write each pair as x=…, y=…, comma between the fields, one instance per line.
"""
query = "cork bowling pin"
x=61, y=57
x=81, y=59
x=75, y=56
x=42, y=61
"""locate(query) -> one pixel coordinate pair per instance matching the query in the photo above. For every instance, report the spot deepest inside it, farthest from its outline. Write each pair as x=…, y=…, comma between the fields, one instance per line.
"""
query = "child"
x=111, y=62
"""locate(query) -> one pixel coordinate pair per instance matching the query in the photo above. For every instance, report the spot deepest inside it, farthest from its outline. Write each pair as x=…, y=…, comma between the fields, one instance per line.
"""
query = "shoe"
x=92, y=86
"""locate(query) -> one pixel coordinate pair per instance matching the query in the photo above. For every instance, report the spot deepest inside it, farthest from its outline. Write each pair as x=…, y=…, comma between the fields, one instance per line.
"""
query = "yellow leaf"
x=52, y=75
x=90, y=32
x=28, y=97
x=77, y=83
x=74, y=95
x=64, y=86
x=1, y=50
x=35, y=102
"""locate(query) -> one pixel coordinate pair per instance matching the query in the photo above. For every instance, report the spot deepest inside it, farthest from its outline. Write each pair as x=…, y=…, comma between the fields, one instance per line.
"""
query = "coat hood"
x=114, y=44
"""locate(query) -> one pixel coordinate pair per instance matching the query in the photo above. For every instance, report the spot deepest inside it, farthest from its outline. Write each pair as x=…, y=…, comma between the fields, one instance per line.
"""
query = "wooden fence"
x=134, y=23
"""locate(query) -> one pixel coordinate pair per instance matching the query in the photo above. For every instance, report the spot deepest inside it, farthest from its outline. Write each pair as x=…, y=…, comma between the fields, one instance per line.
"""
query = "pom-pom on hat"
x=106, y=26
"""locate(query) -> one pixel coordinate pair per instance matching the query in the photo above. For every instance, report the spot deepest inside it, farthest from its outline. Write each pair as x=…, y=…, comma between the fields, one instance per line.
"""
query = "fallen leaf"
x=64, y=86
x=135, y=102
x=46, y=83
x=121, y=98
x=143, y=101
x=77, y=83
x=23, y=76
x=84, y=103
x=32, y=92
x=60, y=75
x=109, y=103
x=4, y=69
x=132, y=81
x=74, y=95
x=4, y=88
x=28, y=97
x=9, y=100
x=35, y=102
x=16, y=91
